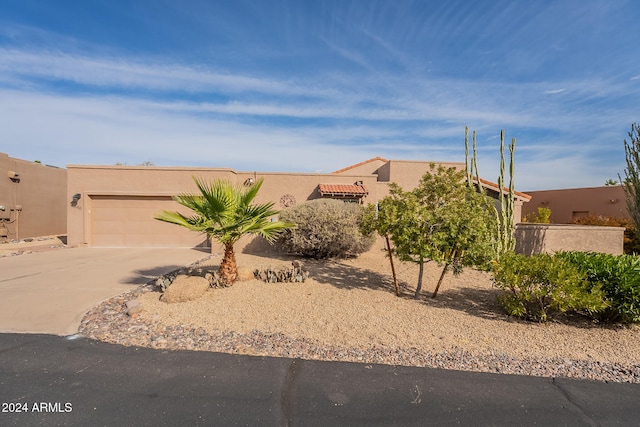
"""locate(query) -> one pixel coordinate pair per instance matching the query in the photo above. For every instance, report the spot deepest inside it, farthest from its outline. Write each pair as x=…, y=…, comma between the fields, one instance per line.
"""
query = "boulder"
x=135, y=310
x=244, y=274
x=185, y=288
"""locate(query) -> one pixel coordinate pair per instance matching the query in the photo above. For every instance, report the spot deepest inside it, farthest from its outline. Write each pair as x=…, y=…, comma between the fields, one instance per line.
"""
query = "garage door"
x=128, y=221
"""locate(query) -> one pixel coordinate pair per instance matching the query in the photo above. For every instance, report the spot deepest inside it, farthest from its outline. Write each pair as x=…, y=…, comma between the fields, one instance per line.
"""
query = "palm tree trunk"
x=228, y=266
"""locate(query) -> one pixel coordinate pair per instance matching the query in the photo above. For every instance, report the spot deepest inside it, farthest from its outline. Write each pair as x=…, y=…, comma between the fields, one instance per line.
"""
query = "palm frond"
x=192, y=222
x=225, y=212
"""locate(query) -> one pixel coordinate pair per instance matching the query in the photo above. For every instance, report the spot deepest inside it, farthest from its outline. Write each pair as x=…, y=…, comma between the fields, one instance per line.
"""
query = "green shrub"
x=619, y=279
x=541, y=286
x=325, y=228
x=542, y=216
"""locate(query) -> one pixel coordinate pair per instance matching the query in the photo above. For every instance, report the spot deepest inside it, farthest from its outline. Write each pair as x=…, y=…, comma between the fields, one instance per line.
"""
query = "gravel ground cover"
x=347, y=311
x=30, y=245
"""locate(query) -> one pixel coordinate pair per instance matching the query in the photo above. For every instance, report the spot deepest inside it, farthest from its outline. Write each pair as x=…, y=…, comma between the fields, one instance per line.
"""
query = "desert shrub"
x=541, y=216
x=619, y=279
x=631, y=239
x=541, y=286
x=325, y=228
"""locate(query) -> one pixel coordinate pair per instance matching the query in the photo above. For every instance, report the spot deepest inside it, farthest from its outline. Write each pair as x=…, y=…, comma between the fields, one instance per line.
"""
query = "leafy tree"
x=631, y=183
x=610, y=183
x=442, y=220
x=225, y=212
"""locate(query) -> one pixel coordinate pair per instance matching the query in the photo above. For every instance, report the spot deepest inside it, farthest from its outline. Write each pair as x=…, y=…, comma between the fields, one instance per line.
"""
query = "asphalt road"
x=54, y=380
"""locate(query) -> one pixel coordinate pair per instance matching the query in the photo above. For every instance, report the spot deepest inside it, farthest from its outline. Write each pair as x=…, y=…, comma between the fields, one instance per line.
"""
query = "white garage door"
x=128, y=221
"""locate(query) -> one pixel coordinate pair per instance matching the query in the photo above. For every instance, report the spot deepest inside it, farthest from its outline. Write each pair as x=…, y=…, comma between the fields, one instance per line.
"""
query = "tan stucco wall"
x=93, y=181
x=369, y=167
x=42, y=194
x=407, y=173
x=564, y=204
x=302, y=186
x=549, y=238
x=161, y=181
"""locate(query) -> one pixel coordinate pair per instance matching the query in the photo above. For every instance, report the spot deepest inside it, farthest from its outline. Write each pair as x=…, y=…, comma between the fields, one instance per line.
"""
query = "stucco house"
x=115, y=205
x=570, y=203
x=32, y=199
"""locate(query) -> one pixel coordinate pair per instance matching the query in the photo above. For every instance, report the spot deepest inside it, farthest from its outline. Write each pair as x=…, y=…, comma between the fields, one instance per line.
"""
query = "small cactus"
x=293, y=274
x=211, y=274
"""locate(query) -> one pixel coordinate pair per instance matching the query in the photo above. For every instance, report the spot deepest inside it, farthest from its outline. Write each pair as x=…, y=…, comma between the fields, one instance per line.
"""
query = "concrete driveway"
x=49, y=292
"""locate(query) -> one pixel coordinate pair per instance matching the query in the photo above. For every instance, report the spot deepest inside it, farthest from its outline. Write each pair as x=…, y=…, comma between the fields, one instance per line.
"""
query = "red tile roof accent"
x=361, y=163
x=496, y=188
x=343, y=189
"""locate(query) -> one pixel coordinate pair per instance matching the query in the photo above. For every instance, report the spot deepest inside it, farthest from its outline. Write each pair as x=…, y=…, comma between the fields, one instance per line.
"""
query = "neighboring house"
x=117, y=204
x=571, y=203
x=33, y=199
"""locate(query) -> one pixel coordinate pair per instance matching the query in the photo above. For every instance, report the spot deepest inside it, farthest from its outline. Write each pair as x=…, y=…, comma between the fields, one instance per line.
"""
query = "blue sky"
x=311, y=86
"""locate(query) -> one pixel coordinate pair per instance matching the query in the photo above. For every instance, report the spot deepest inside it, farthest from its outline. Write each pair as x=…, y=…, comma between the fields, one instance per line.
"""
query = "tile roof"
x=382, y=159
x=343, y=189
x=495, y=187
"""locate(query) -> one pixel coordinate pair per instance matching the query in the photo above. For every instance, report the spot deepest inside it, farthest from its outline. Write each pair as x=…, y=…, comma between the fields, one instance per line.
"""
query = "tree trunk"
x=393, y=269
x=444, y=271
x=228, y=267
x=419, y=288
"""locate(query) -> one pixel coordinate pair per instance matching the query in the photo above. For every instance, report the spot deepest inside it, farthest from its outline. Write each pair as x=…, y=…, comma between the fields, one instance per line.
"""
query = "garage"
x=128, y=221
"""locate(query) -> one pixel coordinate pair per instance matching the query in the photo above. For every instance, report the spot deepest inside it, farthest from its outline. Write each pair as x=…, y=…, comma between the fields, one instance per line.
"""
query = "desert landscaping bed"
x=347, y=311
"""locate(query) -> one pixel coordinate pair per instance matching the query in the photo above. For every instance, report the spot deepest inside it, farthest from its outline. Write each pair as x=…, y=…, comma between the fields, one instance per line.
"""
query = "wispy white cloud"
x=367, y=92
x=130, y=73
x=81, y=129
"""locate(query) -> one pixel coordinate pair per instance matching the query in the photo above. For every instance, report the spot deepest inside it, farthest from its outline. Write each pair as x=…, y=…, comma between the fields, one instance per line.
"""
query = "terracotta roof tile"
x=343, y=189
x=495, y=187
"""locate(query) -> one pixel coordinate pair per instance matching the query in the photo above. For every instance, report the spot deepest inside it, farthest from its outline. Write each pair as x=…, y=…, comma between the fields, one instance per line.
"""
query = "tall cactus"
x=504, y=239
x=506, y=198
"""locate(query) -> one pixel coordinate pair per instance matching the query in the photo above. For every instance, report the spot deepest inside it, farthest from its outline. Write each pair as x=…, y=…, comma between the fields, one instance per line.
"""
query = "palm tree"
x=225, y=212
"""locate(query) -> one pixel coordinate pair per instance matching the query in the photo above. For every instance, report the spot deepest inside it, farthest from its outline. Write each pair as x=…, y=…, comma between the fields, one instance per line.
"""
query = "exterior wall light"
x=74, y=200
x=13, y=176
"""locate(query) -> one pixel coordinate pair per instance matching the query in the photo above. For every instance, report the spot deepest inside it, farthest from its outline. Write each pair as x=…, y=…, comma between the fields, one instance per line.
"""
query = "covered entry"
x=128, y=221
x=353, y=193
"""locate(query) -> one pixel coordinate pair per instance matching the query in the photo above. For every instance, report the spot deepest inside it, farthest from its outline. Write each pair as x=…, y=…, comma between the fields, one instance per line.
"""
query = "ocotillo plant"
x=504, y=238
